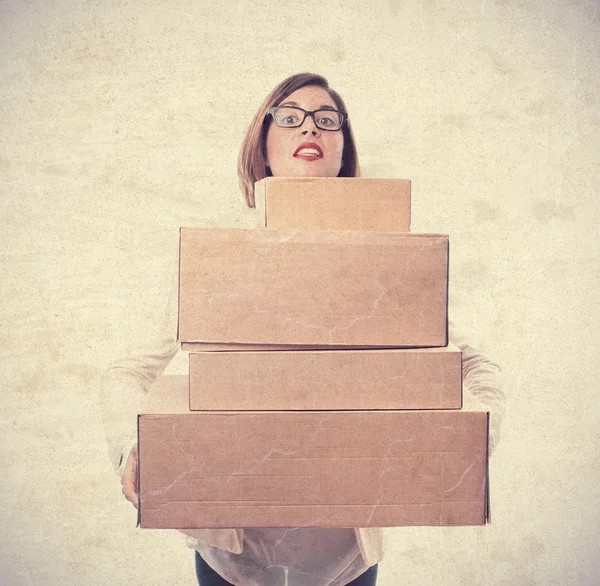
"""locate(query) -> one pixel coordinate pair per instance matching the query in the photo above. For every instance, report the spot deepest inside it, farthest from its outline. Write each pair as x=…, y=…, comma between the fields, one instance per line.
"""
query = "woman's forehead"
x=310, y=96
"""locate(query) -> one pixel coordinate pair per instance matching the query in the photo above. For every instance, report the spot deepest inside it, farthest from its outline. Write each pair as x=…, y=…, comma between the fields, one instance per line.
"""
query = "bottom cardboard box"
x=312, y=469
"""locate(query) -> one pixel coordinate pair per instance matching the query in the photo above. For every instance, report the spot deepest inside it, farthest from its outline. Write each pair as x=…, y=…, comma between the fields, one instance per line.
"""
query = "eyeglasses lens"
x=292, y=117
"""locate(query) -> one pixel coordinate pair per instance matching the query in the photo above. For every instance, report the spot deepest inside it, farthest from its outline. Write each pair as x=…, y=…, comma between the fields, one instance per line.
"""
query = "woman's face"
x=291, y=151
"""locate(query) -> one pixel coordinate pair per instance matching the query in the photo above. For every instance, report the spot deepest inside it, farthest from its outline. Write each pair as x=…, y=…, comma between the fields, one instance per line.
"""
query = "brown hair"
x=251, y=160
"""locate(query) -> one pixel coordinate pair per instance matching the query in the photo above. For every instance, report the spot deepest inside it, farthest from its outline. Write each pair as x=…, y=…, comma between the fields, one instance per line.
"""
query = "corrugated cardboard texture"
x=412, y=378
x=318, y=469
x=313, y=287
x=335, y=203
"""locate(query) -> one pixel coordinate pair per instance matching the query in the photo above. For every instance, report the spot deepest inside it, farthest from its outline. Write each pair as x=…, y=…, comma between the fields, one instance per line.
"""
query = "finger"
x=130, y=495
x=129, y=484
x=129, y=489
x=129, y=478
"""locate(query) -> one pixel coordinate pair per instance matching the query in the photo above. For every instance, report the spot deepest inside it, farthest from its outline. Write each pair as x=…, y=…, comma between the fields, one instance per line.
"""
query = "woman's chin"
x=306, y=169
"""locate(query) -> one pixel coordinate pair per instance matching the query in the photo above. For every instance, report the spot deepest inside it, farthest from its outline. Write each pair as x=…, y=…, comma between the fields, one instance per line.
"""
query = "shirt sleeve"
x=125, y=383
x=482, y=383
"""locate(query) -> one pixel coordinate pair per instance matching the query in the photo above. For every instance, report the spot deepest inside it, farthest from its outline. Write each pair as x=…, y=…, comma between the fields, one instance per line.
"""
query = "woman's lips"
x=309, y=151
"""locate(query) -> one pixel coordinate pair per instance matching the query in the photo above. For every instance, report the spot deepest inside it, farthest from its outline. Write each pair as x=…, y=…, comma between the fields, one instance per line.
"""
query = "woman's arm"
x=482, y=383
x=125, y=383
x=123, y=390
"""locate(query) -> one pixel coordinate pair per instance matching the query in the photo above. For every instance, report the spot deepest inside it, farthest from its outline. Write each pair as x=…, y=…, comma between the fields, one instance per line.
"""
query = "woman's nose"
x=309, y=126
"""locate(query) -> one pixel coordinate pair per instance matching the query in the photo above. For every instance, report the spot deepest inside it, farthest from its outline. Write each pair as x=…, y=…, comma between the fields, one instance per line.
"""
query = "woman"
x=300, y=130
x=278, y=131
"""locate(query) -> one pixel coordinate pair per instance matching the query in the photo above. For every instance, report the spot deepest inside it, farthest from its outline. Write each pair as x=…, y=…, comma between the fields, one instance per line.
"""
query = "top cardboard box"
x=334, y=203
x=313, y=287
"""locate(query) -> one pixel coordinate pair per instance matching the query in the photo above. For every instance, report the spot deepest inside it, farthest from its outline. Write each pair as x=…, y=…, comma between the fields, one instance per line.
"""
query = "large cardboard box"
x=312, y=469
x=411, y=378
x=334, y=203
x=318, y=287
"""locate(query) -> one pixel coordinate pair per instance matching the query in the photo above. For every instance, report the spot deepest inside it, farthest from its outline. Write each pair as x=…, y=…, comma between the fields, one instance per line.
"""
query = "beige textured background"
x=121, y=121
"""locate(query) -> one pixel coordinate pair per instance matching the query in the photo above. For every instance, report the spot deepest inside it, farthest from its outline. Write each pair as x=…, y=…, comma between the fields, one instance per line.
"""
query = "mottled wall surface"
x=121, y=121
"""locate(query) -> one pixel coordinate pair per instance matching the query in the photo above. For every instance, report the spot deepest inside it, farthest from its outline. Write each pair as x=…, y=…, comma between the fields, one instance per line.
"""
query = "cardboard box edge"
x=409, y=205
x=179, y=288
x=488, y=508
x=139, y=492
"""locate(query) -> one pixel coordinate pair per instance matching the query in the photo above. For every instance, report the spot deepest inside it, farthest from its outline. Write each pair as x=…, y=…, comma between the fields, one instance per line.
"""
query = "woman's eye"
x=289, y=119
x=325, y=121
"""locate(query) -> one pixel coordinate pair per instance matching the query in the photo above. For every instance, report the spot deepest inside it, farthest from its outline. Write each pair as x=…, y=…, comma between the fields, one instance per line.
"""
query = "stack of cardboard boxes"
x=323, y=388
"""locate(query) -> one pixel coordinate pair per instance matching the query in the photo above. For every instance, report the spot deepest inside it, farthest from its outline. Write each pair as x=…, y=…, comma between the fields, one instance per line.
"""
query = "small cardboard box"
x=318, y=288
x=334, y=203
x=412, y=378
x=312, y=469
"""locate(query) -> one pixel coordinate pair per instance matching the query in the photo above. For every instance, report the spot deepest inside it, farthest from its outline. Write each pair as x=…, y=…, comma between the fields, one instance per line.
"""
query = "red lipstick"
x=309, y=151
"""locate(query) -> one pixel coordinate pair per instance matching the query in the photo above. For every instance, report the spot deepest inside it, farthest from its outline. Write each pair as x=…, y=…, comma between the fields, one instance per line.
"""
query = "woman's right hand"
x=129, y=478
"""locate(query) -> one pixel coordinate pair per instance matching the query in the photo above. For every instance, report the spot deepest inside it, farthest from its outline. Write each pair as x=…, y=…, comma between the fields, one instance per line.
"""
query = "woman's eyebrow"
x=322, y=107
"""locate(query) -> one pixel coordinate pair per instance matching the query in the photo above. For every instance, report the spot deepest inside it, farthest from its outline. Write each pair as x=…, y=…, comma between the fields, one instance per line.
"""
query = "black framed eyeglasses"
x=293, y=117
